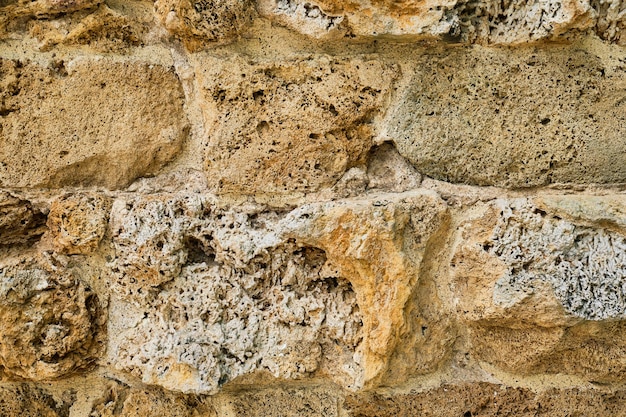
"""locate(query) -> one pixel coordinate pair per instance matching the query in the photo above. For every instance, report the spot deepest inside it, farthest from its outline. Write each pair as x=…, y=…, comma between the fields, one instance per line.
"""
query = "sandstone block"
x=459, y=21
x=205, y=295
x=20, y=222
x=199, y=23
x=514, y=119
x=481, y=399
x=288, y=127
x=287, y=402
x=124, y=401
x=51, y=321
x=541, y=293
x=77, y=223
x=88, y=122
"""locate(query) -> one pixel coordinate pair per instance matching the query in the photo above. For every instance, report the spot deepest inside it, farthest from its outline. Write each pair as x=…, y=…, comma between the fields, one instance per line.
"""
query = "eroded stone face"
x=20, y=222
x=243, y=291
x=288, y=127
x=459, y=21
x=28, y=401
x=542, y=294
x=540, y=116
x=77, y=223
x=204, y=22
x=51, y=321
x=88, y=122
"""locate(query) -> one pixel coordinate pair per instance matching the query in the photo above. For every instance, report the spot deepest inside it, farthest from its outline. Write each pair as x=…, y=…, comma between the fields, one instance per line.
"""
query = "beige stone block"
x=286, y=127
x=30, y=401
x=481, y=399
x=514, y=118
x=87, y=122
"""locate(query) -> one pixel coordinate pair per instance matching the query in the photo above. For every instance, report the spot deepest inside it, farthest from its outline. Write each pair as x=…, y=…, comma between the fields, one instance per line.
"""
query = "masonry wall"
x=297, y=208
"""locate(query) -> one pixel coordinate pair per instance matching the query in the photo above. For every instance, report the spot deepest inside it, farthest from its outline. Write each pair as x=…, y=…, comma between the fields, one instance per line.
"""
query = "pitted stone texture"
x=13, y=13
x=88, y=122
x=205, y=22
x=287, y=402
x=523, y=119
x=460, y=21
x=50, y=320
x=112, y=27
x=481, y=399
x=246, y=290
x=610, y=20
x=378, y=244
x=77, y=222
x=20, y=222
x=24, y=400
x=533, y=288
x=291, y=126
x=123, y=401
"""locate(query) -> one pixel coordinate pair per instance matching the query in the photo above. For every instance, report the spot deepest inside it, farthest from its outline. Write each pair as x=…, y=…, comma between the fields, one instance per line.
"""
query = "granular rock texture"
x=20, y=222
x=281, y=127
x=87, y=122
x=486, y=119
x=219, y=208
x=50, y=320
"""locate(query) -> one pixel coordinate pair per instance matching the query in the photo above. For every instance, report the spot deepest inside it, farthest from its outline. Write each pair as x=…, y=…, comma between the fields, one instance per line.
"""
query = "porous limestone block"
x=541, y=293
x=51, y=322
x=29, y=401
x=205, y=22
x=87, y=122
x=454, y=20
x=77, y=222
x=285, y=127
x=287, y=402
x=487, y=400
x=522, y=118
x=124, y=401
x=203, y=295
x=20, y=222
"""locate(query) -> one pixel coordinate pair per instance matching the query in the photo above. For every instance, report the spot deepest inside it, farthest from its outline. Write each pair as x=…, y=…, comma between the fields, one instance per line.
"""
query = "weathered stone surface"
x=287, y=402
x=123, y=401
x=610, y=20
x=87, y=122
x=201, y=23
x=111, y=27
x=467, y=21
x=77, y=222
x=207, y=295
x=285, y=127
x=51, y=321
x=20, y=222
x=28, y=401
x=484, y=400
x=534, y=287
x=523, y=119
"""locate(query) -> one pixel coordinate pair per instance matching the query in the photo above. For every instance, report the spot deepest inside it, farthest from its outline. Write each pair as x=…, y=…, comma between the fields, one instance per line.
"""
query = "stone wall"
x=312, y=208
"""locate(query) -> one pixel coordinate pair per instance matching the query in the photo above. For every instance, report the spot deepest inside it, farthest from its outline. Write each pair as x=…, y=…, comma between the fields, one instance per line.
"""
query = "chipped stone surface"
x=87, y=122
x=459, y=21
x=124, y=401
x=77, y=223
x=246, y=291
x=51, y=321
x=28, y=401
x=205, y=22
x=536, y=288
x=276, y=128
x=539, y=117
x=20, y=222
